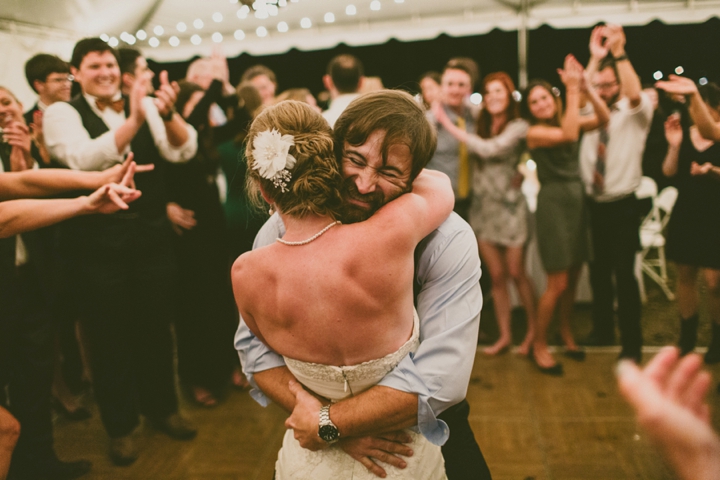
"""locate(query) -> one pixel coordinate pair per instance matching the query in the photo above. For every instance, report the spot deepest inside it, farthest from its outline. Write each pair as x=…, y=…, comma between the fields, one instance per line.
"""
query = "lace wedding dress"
x=332, y=463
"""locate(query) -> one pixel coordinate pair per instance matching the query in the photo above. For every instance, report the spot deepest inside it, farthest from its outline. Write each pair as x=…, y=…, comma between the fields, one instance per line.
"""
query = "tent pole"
x=523, y=44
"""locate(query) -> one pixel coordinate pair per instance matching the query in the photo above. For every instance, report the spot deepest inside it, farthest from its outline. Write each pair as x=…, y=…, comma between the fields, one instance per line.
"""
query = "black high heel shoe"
x=554, y=370
x=77, y=415
x=577, y=355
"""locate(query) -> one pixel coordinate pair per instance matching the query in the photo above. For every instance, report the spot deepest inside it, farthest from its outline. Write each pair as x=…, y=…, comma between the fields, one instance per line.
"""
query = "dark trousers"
x=615, y=235
x=127, y=303
x=463, y=458
x=206, y=320
x=26, y=368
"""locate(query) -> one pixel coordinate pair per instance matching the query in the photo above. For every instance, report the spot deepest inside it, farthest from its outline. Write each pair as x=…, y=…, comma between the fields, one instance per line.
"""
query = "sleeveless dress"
x=332, y=463
x=693, y=233
x=562, y=221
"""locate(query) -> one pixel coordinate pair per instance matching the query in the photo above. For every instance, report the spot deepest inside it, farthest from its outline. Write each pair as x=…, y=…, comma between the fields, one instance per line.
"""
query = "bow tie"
x=117, y=105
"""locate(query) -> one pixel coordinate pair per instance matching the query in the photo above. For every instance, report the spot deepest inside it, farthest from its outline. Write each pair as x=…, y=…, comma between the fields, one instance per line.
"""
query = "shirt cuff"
x=406, y=378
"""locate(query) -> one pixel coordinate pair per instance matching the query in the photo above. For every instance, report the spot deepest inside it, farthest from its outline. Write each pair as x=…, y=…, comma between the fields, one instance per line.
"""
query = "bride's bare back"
x=347, y=296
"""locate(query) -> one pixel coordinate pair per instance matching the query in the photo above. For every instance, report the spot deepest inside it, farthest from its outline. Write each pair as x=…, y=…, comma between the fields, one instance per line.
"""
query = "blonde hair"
x=315, y=186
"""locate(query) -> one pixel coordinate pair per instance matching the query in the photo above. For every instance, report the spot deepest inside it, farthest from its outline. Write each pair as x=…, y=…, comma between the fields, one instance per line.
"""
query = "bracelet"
x=168, y=116
x=621, y=58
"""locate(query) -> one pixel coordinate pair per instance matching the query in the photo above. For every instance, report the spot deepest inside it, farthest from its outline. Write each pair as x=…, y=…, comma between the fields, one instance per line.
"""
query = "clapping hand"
x=17, y=135
x=138, y=92
x=598, y=46
x=166, y=95
x=572, y=73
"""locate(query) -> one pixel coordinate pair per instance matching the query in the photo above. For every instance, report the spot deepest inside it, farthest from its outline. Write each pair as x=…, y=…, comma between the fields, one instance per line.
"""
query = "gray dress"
x=499, y=213
x=561, y=218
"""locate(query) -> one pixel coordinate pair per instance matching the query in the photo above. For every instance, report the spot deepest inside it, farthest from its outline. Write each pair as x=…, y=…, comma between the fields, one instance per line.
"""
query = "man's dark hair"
x=467, y=65
x=432, y=75
x=39, y=67
x=345, y=71
x=609, y=62
x=88, y=45
x=394, y=112
x=127, y=59
x=256, y=71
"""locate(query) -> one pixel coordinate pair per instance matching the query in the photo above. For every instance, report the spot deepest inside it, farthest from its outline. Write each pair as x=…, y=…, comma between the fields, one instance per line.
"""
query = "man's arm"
x=436, y=377
x=69, y=142
x=630, y=86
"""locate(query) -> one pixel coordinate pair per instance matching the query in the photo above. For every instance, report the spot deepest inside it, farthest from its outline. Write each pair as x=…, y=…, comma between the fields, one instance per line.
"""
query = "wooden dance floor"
x=529, y=426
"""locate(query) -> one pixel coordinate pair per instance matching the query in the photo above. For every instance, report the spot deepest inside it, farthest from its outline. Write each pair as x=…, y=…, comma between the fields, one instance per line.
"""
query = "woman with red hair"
x=499, y=212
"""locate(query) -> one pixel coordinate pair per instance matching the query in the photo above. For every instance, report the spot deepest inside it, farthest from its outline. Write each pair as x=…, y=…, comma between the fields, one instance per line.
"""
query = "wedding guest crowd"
x=102, y=300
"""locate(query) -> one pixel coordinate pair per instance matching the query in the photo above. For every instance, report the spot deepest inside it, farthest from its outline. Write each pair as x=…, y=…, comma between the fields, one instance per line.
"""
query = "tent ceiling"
x=407, y=20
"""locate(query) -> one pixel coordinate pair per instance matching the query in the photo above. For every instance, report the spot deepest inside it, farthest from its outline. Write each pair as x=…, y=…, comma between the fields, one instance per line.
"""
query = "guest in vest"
x=611, y=168
x=49, y=77
x=452, y=156
x=121, y=266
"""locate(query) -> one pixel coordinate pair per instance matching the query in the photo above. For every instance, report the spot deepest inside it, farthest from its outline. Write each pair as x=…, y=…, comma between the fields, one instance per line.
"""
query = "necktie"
x=599, y=178
x=117, y=105
x=464, y=165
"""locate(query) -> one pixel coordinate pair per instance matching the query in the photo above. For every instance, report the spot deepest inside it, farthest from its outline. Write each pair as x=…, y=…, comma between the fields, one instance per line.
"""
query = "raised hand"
x=572, y=72
x=615, y=39
x=678, y=85
x=17, y=135
x=166, y=95
x=304, y=418
x=673, y=130
x=598, y=47
x=137, y=94
x=439, y=112
x=181, y=219
x=387, y=448
x=668, y=396
x=698, y=170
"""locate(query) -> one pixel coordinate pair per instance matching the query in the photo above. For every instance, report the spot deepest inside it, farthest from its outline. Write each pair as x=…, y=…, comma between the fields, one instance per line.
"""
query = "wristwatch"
x=327, y=429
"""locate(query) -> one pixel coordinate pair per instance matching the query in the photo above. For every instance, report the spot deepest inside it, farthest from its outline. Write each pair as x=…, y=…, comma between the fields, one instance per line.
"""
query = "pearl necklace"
x=314, y=237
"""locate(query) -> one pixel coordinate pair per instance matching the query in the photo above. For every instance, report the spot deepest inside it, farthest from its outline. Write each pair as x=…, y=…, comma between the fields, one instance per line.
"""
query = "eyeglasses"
x=604, y=86
x=67, y=79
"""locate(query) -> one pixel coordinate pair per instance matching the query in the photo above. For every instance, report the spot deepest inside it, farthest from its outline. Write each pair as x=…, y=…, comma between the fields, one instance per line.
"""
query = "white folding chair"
x=652, y=238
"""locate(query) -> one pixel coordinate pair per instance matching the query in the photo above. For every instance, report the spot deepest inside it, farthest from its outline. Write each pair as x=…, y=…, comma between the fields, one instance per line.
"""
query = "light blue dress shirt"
x=448, y=302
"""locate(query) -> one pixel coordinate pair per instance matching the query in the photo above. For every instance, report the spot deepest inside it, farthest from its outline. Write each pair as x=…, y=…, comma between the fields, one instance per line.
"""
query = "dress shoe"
x=123, y=451
x=688, y=334
x=54, y=470
x=578, y=355
x=713, y=352
x=175, y=426
x=77, y=415
x=634, y=356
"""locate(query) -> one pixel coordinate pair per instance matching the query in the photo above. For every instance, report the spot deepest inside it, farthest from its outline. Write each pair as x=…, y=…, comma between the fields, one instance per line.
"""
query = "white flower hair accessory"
x=272, y=158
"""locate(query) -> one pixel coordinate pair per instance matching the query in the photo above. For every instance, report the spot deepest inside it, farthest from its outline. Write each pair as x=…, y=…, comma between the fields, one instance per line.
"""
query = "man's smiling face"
x=99, y=75
x=371, y=180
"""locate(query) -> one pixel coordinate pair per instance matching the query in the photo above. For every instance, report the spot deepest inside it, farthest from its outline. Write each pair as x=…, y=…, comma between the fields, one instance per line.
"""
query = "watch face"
x=328, y=433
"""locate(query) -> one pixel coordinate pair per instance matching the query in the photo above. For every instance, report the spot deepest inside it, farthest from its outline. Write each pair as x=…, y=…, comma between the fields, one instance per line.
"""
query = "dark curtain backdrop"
x=651, y=47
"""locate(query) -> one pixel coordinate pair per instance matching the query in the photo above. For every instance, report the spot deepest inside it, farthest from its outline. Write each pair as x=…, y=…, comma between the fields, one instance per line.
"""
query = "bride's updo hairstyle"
x=309, y=186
